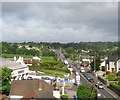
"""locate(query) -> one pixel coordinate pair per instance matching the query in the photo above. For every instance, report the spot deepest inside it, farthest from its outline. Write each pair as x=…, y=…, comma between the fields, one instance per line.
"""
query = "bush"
x=107, y=72
x=111, y=76
x=118, y=74
x=64, y=96
x=115, y=85
x=86, y=92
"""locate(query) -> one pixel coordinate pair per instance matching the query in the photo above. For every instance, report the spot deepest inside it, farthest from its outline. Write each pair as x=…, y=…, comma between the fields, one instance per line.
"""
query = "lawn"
x=54, y=73
x=45, y=59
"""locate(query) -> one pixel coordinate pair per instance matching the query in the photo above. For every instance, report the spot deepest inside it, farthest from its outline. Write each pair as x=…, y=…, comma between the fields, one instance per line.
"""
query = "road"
x=105, y=93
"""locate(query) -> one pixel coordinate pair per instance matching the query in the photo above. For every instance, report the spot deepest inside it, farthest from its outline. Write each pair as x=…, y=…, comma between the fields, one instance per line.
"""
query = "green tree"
x=86, y=92
x=95, y=64
x=118, y=74
x=6, y=78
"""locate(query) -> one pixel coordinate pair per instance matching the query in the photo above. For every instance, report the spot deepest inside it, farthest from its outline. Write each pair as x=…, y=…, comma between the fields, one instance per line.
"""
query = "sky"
x=59, y=21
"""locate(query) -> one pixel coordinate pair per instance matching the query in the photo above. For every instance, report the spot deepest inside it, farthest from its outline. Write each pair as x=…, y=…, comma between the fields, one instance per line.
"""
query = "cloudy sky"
x=59, y=21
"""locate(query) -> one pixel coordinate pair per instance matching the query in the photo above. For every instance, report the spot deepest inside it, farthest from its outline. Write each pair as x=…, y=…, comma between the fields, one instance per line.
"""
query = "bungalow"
x=113, y=63
x=31, y=89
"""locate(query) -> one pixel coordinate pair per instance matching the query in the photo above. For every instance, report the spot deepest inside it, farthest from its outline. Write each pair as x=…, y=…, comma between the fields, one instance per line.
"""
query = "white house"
x=19, y=69
x=86, y=59
x=113, y=63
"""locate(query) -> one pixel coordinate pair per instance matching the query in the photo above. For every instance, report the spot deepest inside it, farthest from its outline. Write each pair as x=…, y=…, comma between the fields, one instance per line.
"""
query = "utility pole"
x=94, y=65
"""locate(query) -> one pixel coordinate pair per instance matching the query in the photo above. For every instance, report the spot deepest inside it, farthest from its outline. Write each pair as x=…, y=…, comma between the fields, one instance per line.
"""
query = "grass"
x=16, y=55
x=46, y=59
x=54, y=73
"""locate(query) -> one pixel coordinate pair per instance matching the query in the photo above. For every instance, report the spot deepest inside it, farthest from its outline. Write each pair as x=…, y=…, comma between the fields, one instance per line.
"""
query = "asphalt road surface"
x=105, y=93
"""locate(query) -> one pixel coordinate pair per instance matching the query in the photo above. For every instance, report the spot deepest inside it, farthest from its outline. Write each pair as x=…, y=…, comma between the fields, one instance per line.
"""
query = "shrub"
x=107, y=72
x=118, y=74
x=115, y=85
x=111, y=76
x=64, y=96
x=86, y=92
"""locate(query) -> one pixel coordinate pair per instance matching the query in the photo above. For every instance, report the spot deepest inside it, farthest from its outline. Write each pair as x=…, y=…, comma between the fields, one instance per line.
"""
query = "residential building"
x=31, y=61
x=31, y=89
x=19, y=68
x=86, y=60
x=113, y=63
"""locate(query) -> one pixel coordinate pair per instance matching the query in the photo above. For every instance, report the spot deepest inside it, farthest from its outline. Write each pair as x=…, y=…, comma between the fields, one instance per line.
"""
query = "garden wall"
x=104, y=81
x=113, y=89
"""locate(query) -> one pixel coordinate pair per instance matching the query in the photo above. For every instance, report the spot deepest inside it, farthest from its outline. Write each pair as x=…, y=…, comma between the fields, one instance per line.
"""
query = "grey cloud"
x=62, y=22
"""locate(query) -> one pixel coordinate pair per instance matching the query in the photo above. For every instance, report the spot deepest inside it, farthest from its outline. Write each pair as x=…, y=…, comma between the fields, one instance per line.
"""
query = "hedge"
x=64, y=96
x=115, y=85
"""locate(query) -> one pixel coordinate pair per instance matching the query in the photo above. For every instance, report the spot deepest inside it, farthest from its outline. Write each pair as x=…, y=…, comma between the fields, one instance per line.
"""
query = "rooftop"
x=113, y=58
x=32, y=89
x=10, y=64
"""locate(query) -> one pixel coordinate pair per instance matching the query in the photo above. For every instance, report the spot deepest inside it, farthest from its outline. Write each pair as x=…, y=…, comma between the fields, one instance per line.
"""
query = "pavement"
x=68, y=88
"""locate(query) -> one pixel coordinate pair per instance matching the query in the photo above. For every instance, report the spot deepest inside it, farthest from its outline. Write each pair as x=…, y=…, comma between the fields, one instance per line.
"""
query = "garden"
x=114, y=79
x=50, y=66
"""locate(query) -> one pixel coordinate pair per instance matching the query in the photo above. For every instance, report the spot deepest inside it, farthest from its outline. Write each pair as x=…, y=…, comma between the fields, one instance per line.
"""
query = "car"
x=82, y=70
x=91, y=80
x=88, y=77
x=99, y=94
x=85, y=74
x=99, y=85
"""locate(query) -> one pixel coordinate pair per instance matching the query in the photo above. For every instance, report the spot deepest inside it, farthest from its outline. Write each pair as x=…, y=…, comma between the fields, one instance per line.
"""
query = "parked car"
x=99, y=85
x=91, y=80
x=85, y=74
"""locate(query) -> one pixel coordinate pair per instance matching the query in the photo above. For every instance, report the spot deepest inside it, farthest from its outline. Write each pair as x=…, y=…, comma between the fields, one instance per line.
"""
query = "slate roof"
x=11, y=64
x=30, y=89
x=113, y=58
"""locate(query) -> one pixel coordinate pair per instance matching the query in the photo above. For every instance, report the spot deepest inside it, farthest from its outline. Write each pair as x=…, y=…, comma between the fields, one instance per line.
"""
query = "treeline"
x=102, y=48
x=32, y=49
x=9, y=48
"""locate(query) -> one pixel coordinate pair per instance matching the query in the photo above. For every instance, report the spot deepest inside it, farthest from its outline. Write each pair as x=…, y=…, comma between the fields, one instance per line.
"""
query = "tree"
x=118, y=74
x=95, y=64
x=6, y=78
x=86, y=92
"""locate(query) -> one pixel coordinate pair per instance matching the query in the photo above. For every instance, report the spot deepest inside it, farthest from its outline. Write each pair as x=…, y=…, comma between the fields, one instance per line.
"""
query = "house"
x=19, y=68
x=31, y=61
x=86, y=60
x=103, y=64
x=31, y=89
x=113, y=63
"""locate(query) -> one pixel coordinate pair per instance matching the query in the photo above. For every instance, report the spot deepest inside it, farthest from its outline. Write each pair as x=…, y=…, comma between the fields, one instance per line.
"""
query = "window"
x=22, y=71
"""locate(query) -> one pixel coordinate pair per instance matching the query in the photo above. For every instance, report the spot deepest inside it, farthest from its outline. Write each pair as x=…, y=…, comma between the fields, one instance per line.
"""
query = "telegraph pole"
x=94, y=65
